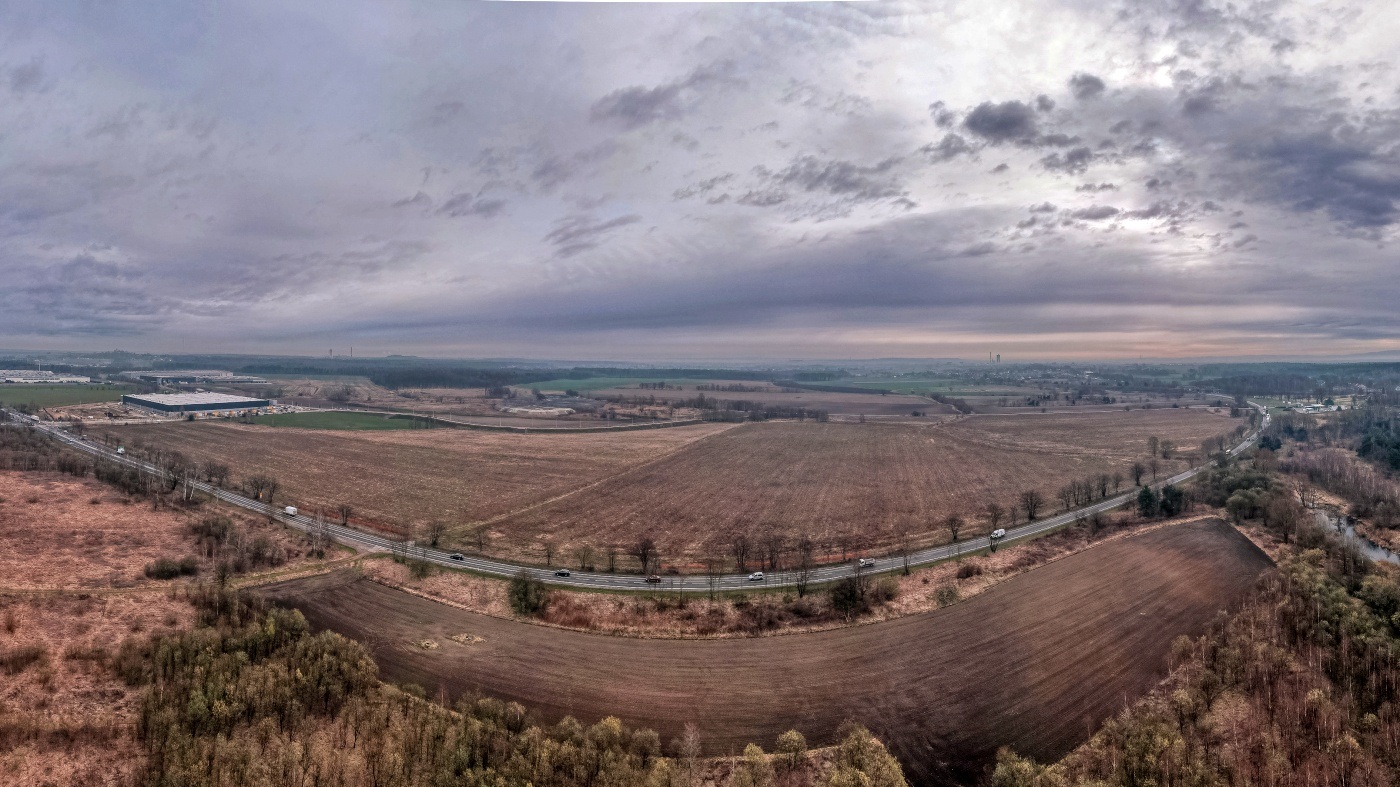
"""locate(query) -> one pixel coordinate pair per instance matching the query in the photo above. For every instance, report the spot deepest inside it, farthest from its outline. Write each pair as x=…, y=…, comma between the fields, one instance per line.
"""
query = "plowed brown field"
x=399, y=478
x=861, y=483
x=1036, y=663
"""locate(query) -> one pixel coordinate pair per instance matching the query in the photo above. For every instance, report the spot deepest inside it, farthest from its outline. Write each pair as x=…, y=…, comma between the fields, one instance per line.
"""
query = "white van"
x=290, y=510
x=998, y=533
x=756, y=576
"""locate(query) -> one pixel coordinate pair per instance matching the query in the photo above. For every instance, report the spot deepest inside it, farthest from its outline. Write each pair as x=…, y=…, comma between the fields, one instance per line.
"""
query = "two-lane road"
x=607, y=581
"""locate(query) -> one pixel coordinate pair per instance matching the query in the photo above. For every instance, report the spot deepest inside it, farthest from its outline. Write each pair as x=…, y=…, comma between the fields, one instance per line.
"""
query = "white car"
x=998, y=533
x=867, y=562
x=756, y=576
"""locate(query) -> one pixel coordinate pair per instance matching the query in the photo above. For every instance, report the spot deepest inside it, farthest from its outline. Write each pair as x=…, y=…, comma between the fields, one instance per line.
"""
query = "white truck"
x=290, y=510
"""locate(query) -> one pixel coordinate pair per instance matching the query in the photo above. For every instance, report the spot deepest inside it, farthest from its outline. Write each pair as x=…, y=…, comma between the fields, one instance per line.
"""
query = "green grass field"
x=60, y=395
x=344, y=421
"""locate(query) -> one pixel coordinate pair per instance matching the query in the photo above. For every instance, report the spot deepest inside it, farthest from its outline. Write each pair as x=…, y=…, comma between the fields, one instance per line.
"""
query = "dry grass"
x=66, y=720
x=871, y=404
x=399, y=479
x=60, y=532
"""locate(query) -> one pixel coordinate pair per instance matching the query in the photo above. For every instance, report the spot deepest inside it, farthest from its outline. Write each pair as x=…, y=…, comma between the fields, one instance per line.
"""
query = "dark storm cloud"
x=1071, y=162
x=842, y=178
x=28, y=77
x=633, y=107
x=1009, y=121
x=460, y=205
x=1085, y=86
x=1352, y=176
x=1095, y=213
x=946, y=149
x=580, y=232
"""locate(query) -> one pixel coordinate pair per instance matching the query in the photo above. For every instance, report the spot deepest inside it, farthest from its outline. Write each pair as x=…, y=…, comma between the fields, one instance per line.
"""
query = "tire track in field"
x=457, y=531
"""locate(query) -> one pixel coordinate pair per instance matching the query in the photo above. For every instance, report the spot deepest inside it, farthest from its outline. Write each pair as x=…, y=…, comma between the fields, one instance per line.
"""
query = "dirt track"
x=1036, y=663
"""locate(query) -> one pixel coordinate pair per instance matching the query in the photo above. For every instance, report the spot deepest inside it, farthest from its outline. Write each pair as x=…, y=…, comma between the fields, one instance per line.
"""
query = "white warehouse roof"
x=202, y=397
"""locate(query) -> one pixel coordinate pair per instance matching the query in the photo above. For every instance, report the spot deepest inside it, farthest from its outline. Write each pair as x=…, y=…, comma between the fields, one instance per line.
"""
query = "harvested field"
x=1035, y=663
x=851, y=484
x=397, y=478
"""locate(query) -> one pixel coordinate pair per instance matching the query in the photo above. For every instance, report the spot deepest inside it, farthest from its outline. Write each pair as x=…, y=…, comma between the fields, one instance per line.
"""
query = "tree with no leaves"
x=774, y=545
x=1117, y=482
x=954, y=523
x=994, y=513
x=806, y=561
x=1154, y=466
x=435, y=530
x=344, y=511
x=583, y=553
x=644, y=550
x=741, y=548
x=549, y=548
x=1153, y=445
x=1031, y=501
x=1137, y=471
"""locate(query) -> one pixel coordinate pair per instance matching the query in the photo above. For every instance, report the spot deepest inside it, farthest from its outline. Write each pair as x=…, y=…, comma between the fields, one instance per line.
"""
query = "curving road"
x=605, y=581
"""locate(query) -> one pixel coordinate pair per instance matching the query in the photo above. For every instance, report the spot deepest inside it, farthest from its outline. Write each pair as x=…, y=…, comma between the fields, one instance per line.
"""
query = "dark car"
x=654, y=579
x=563, y=572
x=457, y=556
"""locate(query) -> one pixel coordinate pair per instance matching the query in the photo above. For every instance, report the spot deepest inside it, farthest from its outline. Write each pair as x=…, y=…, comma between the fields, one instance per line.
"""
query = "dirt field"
x=857, y=483
x=400, y=478
x=1036, y=663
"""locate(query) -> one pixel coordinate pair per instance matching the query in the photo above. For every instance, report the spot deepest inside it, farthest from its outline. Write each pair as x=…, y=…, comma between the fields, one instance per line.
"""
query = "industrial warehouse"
x=201, y=402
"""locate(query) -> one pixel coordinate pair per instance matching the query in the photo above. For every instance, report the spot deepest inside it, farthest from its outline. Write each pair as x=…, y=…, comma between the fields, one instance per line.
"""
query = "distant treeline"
x=796, y=383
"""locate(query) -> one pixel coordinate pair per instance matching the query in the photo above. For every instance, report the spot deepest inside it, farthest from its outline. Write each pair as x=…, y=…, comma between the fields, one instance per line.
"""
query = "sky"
x=1045, y=180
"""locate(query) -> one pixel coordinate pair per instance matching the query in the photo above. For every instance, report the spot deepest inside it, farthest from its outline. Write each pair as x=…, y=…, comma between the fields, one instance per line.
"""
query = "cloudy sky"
x=1039, y=179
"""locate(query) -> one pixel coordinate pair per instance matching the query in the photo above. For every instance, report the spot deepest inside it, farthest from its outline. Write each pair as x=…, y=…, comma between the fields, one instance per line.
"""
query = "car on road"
x=563, y=572
x=998, y=533
x=756, y=576
x=456, y=556
x=654, y=579
x=866, y=562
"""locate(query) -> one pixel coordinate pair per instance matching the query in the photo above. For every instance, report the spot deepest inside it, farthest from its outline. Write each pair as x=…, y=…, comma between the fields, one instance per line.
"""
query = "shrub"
x=169, y=568
x=946, y=595
x=16, y=660
x=528, y=596
x=969, y=570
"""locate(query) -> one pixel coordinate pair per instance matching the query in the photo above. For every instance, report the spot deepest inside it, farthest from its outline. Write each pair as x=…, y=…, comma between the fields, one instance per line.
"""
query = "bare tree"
x=1117, y=482
x=1137, y=471
x=436, y=528
x=954, y=523
x=1102, y=484
x=344, y=510
x=644, y=550
x=481, y=533
x=806, y=561
x=994, y=513
x=774, y=544
x=1167, y=447
x=1153, y=445
x=549, y=547
x=902, y=536
x=1031, y=501
x=741, y=548
x=583, y=553
x=1067, y=495
x=612, y=558
x=712, y=572
x=1154, y=465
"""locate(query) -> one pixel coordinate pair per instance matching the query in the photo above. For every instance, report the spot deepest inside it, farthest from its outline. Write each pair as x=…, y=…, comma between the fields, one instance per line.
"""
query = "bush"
x=947, y=595
x=969, y=570
x=17, y=660
x=169, y=568
x=528, y=596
